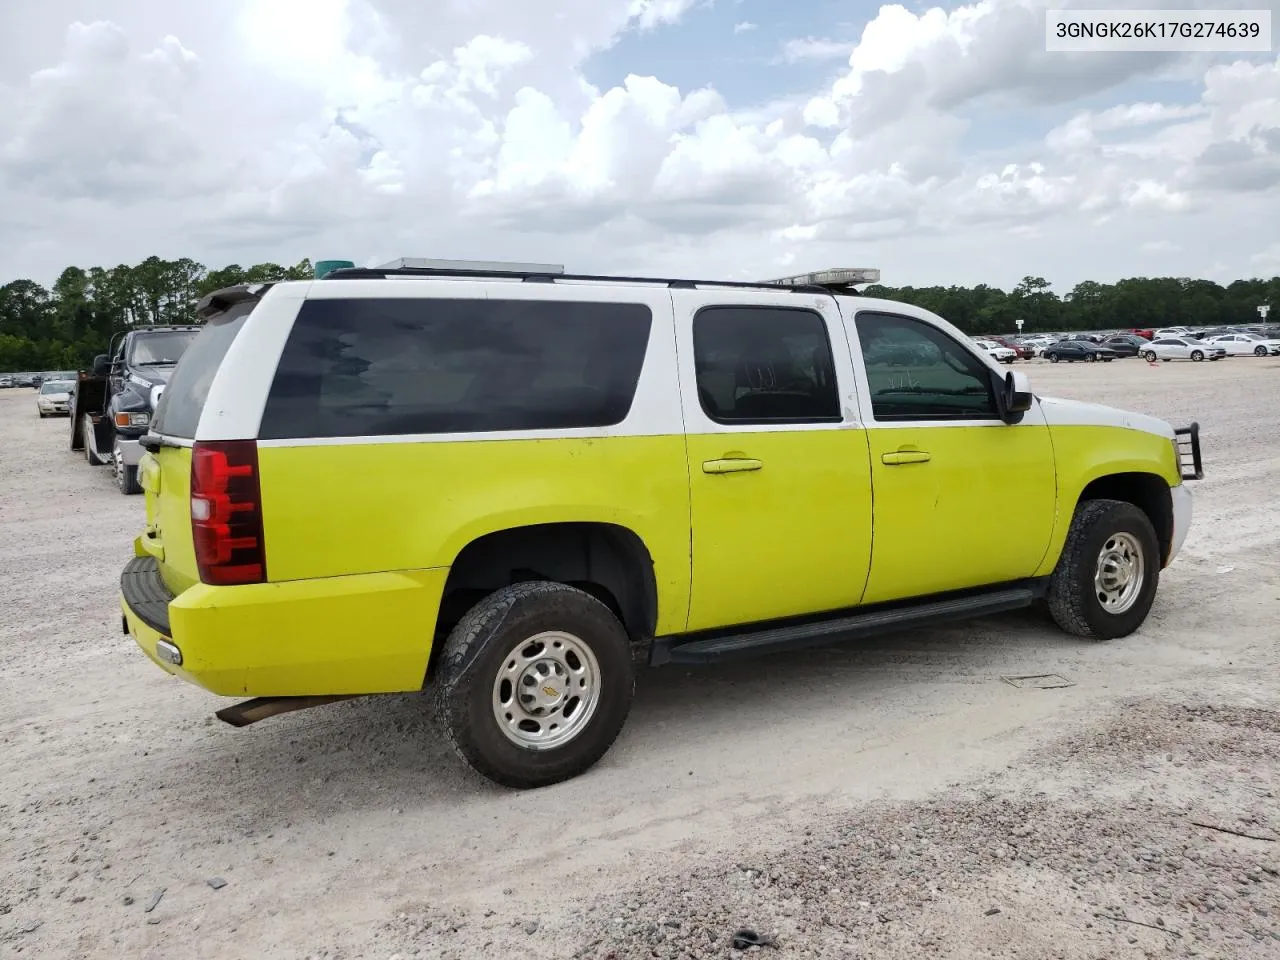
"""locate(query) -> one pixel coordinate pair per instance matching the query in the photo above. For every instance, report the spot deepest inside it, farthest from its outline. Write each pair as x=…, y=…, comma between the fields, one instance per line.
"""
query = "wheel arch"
x=608, y=560
x=1149, y=492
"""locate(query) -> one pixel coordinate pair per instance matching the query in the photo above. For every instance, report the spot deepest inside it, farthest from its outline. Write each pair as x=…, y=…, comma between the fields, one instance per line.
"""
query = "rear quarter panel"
x=343, y=509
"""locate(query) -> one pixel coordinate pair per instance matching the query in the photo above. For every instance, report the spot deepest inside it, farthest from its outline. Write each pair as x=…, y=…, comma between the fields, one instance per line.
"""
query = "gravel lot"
x=893, y=798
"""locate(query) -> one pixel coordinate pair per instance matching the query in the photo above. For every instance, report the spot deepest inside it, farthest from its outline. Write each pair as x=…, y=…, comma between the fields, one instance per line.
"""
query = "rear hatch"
x=165, y=470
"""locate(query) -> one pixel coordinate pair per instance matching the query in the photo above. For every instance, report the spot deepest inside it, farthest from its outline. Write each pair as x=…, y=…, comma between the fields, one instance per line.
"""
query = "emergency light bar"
x=835, y=277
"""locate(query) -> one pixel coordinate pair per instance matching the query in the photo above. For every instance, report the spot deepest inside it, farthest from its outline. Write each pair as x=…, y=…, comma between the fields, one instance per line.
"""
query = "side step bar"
x=857, y=624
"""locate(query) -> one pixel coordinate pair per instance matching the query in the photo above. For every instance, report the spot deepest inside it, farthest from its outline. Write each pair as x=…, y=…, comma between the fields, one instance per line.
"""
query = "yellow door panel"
x=958, y=506
x=781, y=523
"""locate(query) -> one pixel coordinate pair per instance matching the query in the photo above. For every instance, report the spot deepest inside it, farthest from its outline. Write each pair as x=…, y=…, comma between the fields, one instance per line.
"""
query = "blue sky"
x=747, y=67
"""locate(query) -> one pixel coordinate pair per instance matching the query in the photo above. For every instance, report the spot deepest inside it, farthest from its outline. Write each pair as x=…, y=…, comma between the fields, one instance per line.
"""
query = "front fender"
x=1087, y=453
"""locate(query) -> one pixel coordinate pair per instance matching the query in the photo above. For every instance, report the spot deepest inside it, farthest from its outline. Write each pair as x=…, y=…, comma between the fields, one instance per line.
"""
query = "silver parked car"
x=54, y=397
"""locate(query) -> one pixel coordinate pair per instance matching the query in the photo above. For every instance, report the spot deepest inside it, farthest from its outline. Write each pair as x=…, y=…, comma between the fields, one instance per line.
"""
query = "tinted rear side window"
x=354, y=368
x=178, y=412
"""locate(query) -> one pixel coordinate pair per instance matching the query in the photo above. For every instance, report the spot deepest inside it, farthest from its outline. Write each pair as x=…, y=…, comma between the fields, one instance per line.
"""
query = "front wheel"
x=126, y=476
x=534, y=684
x=1259, y=351
x=1149, y=356
x=1106, y=578
x=1197, y=355
x=1053, y=358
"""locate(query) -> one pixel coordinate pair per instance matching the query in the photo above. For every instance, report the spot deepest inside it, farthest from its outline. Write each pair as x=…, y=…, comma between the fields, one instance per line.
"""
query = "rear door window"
x=178, y=413
x=378, y=367
x=764, y=365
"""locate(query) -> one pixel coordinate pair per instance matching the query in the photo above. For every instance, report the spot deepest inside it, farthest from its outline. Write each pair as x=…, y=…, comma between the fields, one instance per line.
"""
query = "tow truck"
x=113, y=403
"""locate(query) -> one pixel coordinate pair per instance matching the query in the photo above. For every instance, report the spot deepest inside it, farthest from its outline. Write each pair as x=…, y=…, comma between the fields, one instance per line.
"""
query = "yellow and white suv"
x=500, y=486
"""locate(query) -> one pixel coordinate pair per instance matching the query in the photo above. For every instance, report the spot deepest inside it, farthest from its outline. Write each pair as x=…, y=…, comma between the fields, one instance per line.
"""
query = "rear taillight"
x=226, y=512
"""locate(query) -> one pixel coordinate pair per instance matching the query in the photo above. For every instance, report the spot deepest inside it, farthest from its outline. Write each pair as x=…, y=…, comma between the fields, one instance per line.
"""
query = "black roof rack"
x=381, y=273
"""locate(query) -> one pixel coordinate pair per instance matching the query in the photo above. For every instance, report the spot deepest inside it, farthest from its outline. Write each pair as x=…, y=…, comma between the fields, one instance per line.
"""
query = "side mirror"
x=101, y=365
x=1013, y=396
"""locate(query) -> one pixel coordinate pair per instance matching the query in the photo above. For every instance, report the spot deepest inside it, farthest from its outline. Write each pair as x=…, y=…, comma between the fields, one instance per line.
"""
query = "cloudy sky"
x=734, y=138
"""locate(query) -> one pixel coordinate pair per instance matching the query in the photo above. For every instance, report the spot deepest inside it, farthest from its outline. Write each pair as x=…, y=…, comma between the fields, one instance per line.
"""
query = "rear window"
x=378, y=367
x=178, y=413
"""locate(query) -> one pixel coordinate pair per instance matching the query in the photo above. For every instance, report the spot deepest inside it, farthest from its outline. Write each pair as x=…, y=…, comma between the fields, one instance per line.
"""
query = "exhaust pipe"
x=259, y=708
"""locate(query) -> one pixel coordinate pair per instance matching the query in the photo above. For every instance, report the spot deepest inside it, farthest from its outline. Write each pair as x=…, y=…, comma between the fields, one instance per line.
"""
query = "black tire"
x=473, y=657
x=1053, y=358
x=42, y=414
x=1197, y=355
x=1073, y=599
x=126, y=476
x=1149, y=356
x=1259, y=351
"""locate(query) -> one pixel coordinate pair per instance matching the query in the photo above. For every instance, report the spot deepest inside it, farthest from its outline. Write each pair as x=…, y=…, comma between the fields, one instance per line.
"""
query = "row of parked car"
x=1171, y=343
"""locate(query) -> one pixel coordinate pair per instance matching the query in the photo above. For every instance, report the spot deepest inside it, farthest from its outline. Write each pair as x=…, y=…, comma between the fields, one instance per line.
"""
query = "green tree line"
x=65, y=326
x=1139, y=302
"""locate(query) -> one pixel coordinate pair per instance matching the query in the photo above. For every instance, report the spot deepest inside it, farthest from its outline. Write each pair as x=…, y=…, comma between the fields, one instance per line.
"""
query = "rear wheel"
x=1106, y=578
x=534, y=684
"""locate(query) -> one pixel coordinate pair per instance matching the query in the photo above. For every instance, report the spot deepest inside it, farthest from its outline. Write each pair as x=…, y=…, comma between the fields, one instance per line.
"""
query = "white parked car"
x=1182, y=348
x=54, y=397
x=1037, y=344
x=1001, y=353
x=1246, y=344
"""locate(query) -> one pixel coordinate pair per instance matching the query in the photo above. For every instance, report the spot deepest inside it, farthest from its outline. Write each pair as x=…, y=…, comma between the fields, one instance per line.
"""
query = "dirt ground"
x=892, y=798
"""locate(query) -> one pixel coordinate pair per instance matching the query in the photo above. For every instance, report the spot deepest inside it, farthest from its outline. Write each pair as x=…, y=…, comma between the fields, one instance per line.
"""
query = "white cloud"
x=814, y=48
x=380, y=128
x=746, y=26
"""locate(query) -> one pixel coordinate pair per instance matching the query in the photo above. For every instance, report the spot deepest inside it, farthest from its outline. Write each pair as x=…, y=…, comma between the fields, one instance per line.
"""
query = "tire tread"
x=464, y=645
x=1069, y=585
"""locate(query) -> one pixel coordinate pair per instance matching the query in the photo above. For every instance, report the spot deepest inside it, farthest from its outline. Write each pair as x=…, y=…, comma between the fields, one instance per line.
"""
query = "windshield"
x=56, y=386
x=156, y=349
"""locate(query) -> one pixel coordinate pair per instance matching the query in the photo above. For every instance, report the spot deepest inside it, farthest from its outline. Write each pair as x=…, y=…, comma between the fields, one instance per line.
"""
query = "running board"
x=865, y=623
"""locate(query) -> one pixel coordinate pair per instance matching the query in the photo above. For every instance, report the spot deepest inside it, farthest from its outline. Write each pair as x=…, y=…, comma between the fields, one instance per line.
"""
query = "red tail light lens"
x=226, y=512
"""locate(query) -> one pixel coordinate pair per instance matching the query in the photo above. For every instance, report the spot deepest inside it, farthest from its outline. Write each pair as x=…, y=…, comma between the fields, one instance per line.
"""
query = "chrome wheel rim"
x=117, y=460
x=546, y=691
x=1117, y=580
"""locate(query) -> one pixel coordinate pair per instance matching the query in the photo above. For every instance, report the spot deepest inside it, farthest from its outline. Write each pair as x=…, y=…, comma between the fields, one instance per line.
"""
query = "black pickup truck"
x=112, y=404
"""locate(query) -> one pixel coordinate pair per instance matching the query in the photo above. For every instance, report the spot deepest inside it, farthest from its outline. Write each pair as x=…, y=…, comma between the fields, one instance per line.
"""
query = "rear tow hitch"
x=259, y=708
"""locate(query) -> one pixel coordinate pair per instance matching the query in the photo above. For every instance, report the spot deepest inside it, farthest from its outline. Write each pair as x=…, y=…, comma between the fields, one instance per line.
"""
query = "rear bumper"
x=369, y=633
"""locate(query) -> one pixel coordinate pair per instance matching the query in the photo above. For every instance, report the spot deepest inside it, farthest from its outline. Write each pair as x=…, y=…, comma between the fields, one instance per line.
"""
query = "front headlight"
x=133, y=419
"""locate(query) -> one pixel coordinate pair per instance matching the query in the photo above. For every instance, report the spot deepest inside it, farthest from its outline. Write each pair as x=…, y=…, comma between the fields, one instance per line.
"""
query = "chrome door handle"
x=735, y=465
x=900, y=457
